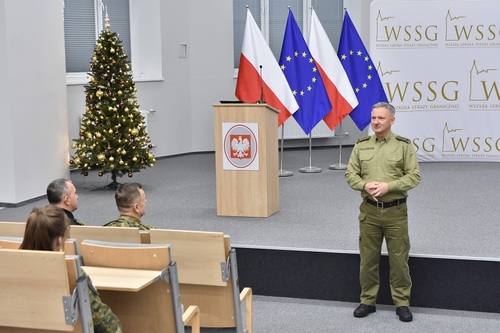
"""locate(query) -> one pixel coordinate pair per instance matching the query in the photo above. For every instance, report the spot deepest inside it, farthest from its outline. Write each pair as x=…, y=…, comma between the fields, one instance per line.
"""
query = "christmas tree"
x=113, y=136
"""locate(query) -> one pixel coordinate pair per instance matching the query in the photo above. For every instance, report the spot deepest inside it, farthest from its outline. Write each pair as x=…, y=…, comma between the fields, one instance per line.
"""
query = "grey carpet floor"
x=313, y=316
x=290, y=315
x=453, y=212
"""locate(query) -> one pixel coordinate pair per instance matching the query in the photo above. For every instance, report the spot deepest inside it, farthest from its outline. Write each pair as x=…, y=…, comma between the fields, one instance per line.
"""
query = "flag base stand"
x=338, y=166
x=310, y=169
x=285, y=173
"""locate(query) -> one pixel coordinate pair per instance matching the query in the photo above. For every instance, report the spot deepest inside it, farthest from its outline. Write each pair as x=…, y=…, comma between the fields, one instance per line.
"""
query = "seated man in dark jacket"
x=62, y=193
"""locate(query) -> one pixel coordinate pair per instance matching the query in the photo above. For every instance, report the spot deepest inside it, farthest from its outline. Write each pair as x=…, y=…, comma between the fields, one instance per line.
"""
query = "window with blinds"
x=271, y=16
x=83, y=20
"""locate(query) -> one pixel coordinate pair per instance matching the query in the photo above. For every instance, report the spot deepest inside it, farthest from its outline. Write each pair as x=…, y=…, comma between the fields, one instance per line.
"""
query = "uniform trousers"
x=375, y=224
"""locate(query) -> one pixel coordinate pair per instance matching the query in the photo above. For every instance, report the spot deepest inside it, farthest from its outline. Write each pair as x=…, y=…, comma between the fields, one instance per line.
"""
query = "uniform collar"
x=387, y=138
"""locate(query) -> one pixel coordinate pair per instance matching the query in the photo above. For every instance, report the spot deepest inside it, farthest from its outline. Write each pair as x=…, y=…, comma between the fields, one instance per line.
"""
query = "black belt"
x=382, y=205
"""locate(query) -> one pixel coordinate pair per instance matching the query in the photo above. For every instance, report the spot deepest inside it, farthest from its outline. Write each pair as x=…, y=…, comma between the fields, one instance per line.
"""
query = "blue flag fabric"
x=303, y=77
x=361, y=72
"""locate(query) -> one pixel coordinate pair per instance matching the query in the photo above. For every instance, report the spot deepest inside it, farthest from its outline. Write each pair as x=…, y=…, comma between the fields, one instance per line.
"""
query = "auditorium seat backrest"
x=12, y=229
x=208, y=276
x=15, y=243
x=156, y=308
x=39, y=295
x=107, y=234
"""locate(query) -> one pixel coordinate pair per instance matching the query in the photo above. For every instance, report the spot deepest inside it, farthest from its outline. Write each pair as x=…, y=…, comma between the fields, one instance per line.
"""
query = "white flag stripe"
x=256, y=50
x=323, y=52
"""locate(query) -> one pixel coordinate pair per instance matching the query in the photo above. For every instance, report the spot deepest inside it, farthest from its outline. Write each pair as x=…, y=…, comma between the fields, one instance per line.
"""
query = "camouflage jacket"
x=105, y=321
x=128, y=221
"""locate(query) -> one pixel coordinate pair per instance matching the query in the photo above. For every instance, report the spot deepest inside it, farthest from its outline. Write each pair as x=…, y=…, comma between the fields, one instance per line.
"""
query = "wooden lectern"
x=246, y=190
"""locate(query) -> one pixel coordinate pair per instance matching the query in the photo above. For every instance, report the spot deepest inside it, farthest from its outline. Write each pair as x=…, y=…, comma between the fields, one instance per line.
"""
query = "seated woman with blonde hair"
x=47, y=229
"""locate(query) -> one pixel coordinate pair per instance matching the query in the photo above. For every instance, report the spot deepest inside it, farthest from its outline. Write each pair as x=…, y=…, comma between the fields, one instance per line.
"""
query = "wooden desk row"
x=204, y=261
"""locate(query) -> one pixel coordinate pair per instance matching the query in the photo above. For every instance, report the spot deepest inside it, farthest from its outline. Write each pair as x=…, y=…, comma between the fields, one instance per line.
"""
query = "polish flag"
x=332, y=72
x=257, y=60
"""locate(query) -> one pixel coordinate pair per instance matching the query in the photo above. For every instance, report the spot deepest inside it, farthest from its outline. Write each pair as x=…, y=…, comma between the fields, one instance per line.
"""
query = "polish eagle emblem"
x=240, y=147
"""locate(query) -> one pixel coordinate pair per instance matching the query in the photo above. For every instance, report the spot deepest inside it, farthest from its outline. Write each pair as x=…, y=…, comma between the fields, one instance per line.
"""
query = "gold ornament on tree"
x=112, y=131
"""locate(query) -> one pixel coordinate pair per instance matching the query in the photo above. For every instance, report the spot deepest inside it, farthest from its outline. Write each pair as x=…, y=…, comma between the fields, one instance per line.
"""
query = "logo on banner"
x=394, y=33
x=240, y=146
x=455, y=141
x=463, y=31
x=483, y=84
x=404, y=94
x=450, y=106
x=458, y=143
x=458, y=31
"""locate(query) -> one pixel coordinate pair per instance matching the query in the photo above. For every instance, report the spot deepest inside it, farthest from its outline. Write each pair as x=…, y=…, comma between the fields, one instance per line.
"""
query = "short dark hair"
x=126, y=194
x=56, y=190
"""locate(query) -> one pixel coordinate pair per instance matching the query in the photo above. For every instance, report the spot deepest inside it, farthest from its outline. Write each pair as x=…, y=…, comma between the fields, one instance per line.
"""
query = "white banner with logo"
x=439, y=62
x=239, y=144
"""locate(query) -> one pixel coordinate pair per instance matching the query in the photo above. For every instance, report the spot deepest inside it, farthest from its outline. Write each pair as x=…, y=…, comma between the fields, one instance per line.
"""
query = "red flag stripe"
x=276, y=91
x=249, y=92
x=338, y=101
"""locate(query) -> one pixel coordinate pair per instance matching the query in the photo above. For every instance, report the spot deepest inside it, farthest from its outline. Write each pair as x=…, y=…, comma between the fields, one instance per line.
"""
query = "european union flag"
x=361, y=72
x=303, y=77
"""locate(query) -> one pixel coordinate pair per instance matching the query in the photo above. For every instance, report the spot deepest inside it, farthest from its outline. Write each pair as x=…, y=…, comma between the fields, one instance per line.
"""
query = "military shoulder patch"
x=400, y=138
x=365, y=138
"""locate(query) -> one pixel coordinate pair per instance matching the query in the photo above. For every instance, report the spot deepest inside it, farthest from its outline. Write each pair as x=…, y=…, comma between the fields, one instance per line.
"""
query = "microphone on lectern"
x=261, y=100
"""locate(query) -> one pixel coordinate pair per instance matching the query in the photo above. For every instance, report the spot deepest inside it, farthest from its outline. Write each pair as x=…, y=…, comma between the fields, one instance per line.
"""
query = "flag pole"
x=339, y=165
x=310, y=168
x=283, y=173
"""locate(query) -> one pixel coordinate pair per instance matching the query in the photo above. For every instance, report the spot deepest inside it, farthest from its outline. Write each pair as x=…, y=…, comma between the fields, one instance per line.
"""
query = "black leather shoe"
x=364, y=310
x=404, y=313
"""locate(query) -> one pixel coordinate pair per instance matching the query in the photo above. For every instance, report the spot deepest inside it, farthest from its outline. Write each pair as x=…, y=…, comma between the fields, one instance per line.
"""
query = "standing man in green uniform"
x=131, y=202
x=384, y=168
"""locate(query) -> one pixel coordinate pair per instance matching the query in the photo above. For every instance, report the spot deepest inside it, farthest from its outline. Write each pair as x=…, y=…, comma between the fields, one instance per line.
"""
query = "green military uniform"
x=392, y=160
x=128, y=221
x=105, y=321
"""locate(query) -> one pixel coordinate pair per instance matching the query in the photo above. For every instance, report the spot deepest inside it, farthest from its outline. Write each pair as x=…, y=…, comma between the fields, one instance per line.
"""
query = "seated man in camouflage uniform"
x=131, y=202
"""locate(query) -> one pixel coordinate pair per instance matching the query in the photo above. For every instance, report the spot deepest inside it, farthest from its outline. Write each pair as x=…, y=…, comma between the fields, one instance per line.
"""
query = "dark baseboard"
x=455, y=283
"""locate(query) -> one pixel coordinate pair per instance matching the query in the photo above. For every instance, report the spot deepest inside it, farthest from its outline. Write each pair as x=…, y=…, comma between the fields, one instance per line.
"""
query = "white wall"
x=6, y=145
x=34, y=130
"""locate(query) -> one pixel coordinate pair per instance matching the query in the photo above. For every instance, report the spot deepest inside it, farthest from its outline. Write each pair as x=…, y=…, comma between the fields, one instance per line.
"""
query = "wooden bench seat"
x=155, y=307
x=208, y=276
